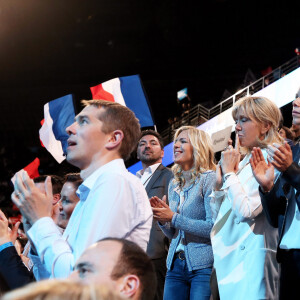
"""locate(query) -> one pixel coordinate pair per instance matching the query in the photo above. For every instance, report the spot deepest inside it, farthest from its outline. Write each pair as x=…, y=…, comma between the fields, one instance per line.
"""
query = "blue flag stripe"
x=63, y=114
x=135, y=99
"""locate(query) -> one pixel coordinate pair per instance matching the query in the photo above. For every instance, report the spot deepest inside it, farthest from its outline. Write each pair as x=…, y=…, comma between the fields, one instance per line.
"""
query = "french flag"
x=32, y=170
x=127, y=91
x=58, y=115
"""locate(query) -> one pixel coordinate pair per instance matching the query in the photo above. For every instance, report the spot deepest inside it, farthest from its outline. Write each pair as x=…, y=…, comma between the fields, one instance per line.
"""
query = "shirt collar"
x=84, y=189
x=151, y=169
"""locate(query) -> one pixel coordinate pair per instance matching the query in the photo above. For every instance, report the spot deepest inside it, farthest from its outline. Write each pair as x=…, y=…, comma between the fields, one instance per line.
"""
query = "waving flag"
x=129, y=92
x=32, y=170
x=182, y=94
x=58, y=115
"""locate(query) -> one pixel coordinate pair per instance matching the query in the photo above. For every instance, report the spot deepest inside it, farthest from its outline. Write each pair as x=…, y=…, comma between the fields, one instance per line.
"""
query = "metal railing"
x=199, y=114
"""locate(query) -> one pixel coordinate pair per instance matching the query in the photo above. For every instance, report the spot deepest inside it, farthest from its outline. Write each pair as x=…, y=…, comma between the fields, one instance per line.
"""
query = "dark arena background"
x=52, y=48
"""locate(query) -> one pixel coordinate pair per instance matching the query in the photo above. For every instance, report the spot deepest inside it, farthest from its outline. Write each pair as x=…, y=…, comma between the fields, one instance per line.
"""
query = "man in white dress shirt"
x=113, y=202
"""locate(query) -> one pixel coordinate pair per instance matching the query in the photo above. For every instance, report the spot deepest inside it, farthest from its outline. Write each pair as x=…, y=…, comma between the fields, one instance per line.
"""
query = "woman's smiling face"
x=183, y=151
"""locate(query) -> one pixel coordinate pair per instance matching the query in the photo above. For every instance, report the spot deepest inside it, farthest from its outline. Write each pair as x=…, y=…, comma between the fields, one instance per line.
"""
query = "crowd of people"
x=203, y=229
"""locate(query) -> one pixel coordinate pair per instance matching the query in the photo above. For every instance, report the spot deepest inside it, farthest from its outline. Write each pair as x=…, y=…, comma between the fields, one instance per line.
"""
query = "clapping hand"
x=32, y=203
x=156, y=202
x=262, y=171
x=282, y=156
x=230, y=159
x=7, y=234
x=161, y=210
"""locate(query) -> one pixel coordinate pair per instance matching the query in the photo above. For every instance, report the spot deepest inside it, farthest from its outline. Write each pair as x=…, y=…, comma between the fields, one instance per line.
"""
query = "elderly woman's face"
x=183, y=151
x=249, y=131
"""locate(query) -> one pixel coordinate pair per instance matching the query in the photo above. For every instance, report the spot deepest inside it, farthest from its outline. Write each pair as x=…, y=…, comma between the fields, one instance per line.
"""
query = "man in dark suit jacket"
x=281, y=204
x=155, y=178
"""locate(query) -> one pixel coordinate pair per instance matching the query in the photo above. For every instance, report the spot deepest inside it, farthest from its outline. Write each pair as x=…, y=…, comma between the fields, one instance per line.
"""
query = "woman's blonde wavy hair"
x=262, y=111
x=203, y=154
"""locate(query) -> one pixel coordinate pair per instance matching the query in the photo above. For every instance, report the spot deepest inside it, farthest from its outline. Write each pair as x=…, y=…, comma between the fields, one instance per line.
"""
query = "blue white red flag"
x=32, y=170
x=129, y=92
x=58, y=115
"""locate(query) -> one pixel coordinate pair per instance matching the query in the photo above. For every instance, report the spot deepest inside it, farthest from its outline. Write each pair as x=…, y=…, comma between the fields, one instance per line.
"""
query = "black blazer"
x=275, y=202
x=158, y=186
x=12, y=270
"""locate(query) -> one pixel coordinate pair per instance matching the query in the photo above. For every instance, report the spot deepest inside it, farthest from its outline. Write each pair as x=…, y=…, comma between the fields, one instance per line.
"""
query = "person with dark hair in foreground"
x=118, y=263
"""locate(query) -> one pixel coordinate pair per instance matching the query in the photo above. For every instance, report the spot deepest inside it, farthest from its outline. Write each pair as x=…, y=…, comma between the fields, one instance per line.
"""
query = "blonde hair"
x=262, y=111
x=62, y=289
x=203, y=153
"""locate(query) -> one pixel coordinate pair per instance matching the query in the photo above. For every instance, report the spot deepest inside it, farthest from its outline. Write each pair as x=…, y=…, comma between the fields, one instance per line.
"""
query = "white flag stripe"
x=47, y=137
x=113, y=87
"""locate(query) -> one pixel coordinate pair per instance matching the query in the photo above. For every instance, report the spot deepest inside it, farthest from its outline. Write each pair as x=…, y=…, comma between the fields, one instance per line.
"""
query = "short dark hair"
x=134, y=260
x=116, y=116
x=73, y=178
x=57, y=182
x=288, y=132
x=154, y=133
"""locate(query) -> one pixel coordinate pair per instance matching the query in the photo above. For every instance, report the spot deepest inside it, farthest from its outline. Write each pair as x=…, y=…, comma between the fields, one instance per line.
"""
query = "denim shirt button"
x=237, y=221
x=242, y=247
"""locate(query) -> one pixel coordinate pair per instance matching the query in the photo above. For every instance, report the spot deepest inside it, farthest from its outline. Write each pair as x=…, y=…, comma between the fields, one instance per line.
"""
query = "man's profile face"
x=96, y=264
x=86, y=142
x=149, y=150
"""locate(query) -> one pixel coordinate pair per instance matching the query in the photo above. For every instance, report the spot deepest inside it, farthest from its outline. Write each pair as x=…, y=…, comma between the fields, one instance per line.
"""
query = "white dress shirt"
x=145, y=175
x=113, y=203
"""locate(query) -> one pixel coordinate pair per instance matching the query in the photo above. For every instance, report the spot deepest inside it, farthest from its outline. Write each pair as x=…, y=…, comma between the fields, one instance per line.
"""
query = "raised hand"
x=262, y=171
x=230, y=158
x=7, y=234
x=32, y=203
x=156, y=202
x=162, y=211
x=282, y=156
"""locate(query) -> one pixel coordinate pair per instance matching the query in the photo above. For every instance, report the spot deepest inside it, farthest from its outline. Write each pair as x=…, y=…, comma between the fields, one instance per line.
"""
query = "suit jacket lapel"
x=154, y=177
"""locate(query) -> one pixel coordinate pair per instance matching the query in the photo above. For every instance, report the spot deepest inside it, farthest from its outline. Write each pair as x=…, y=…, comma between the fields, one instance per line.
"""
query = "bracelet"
x=227, y=175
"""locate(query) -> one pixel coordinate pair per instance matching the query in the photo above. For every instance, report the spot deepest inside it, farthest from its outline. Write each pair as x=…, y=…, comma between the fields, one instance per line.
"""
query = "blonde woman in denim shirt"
x=188, y=219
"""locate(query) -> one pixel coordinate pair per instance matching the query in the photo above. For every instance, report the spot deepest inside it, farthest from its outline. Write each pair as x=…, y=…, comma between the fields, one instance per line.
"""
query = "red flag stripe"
x=99, y=93
x=33, y=169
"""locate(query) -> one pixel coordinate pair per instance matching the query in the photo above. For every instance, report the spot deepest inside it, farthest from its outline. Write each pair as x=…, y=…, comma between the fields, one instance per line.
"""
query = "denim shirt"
x=192, y=222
